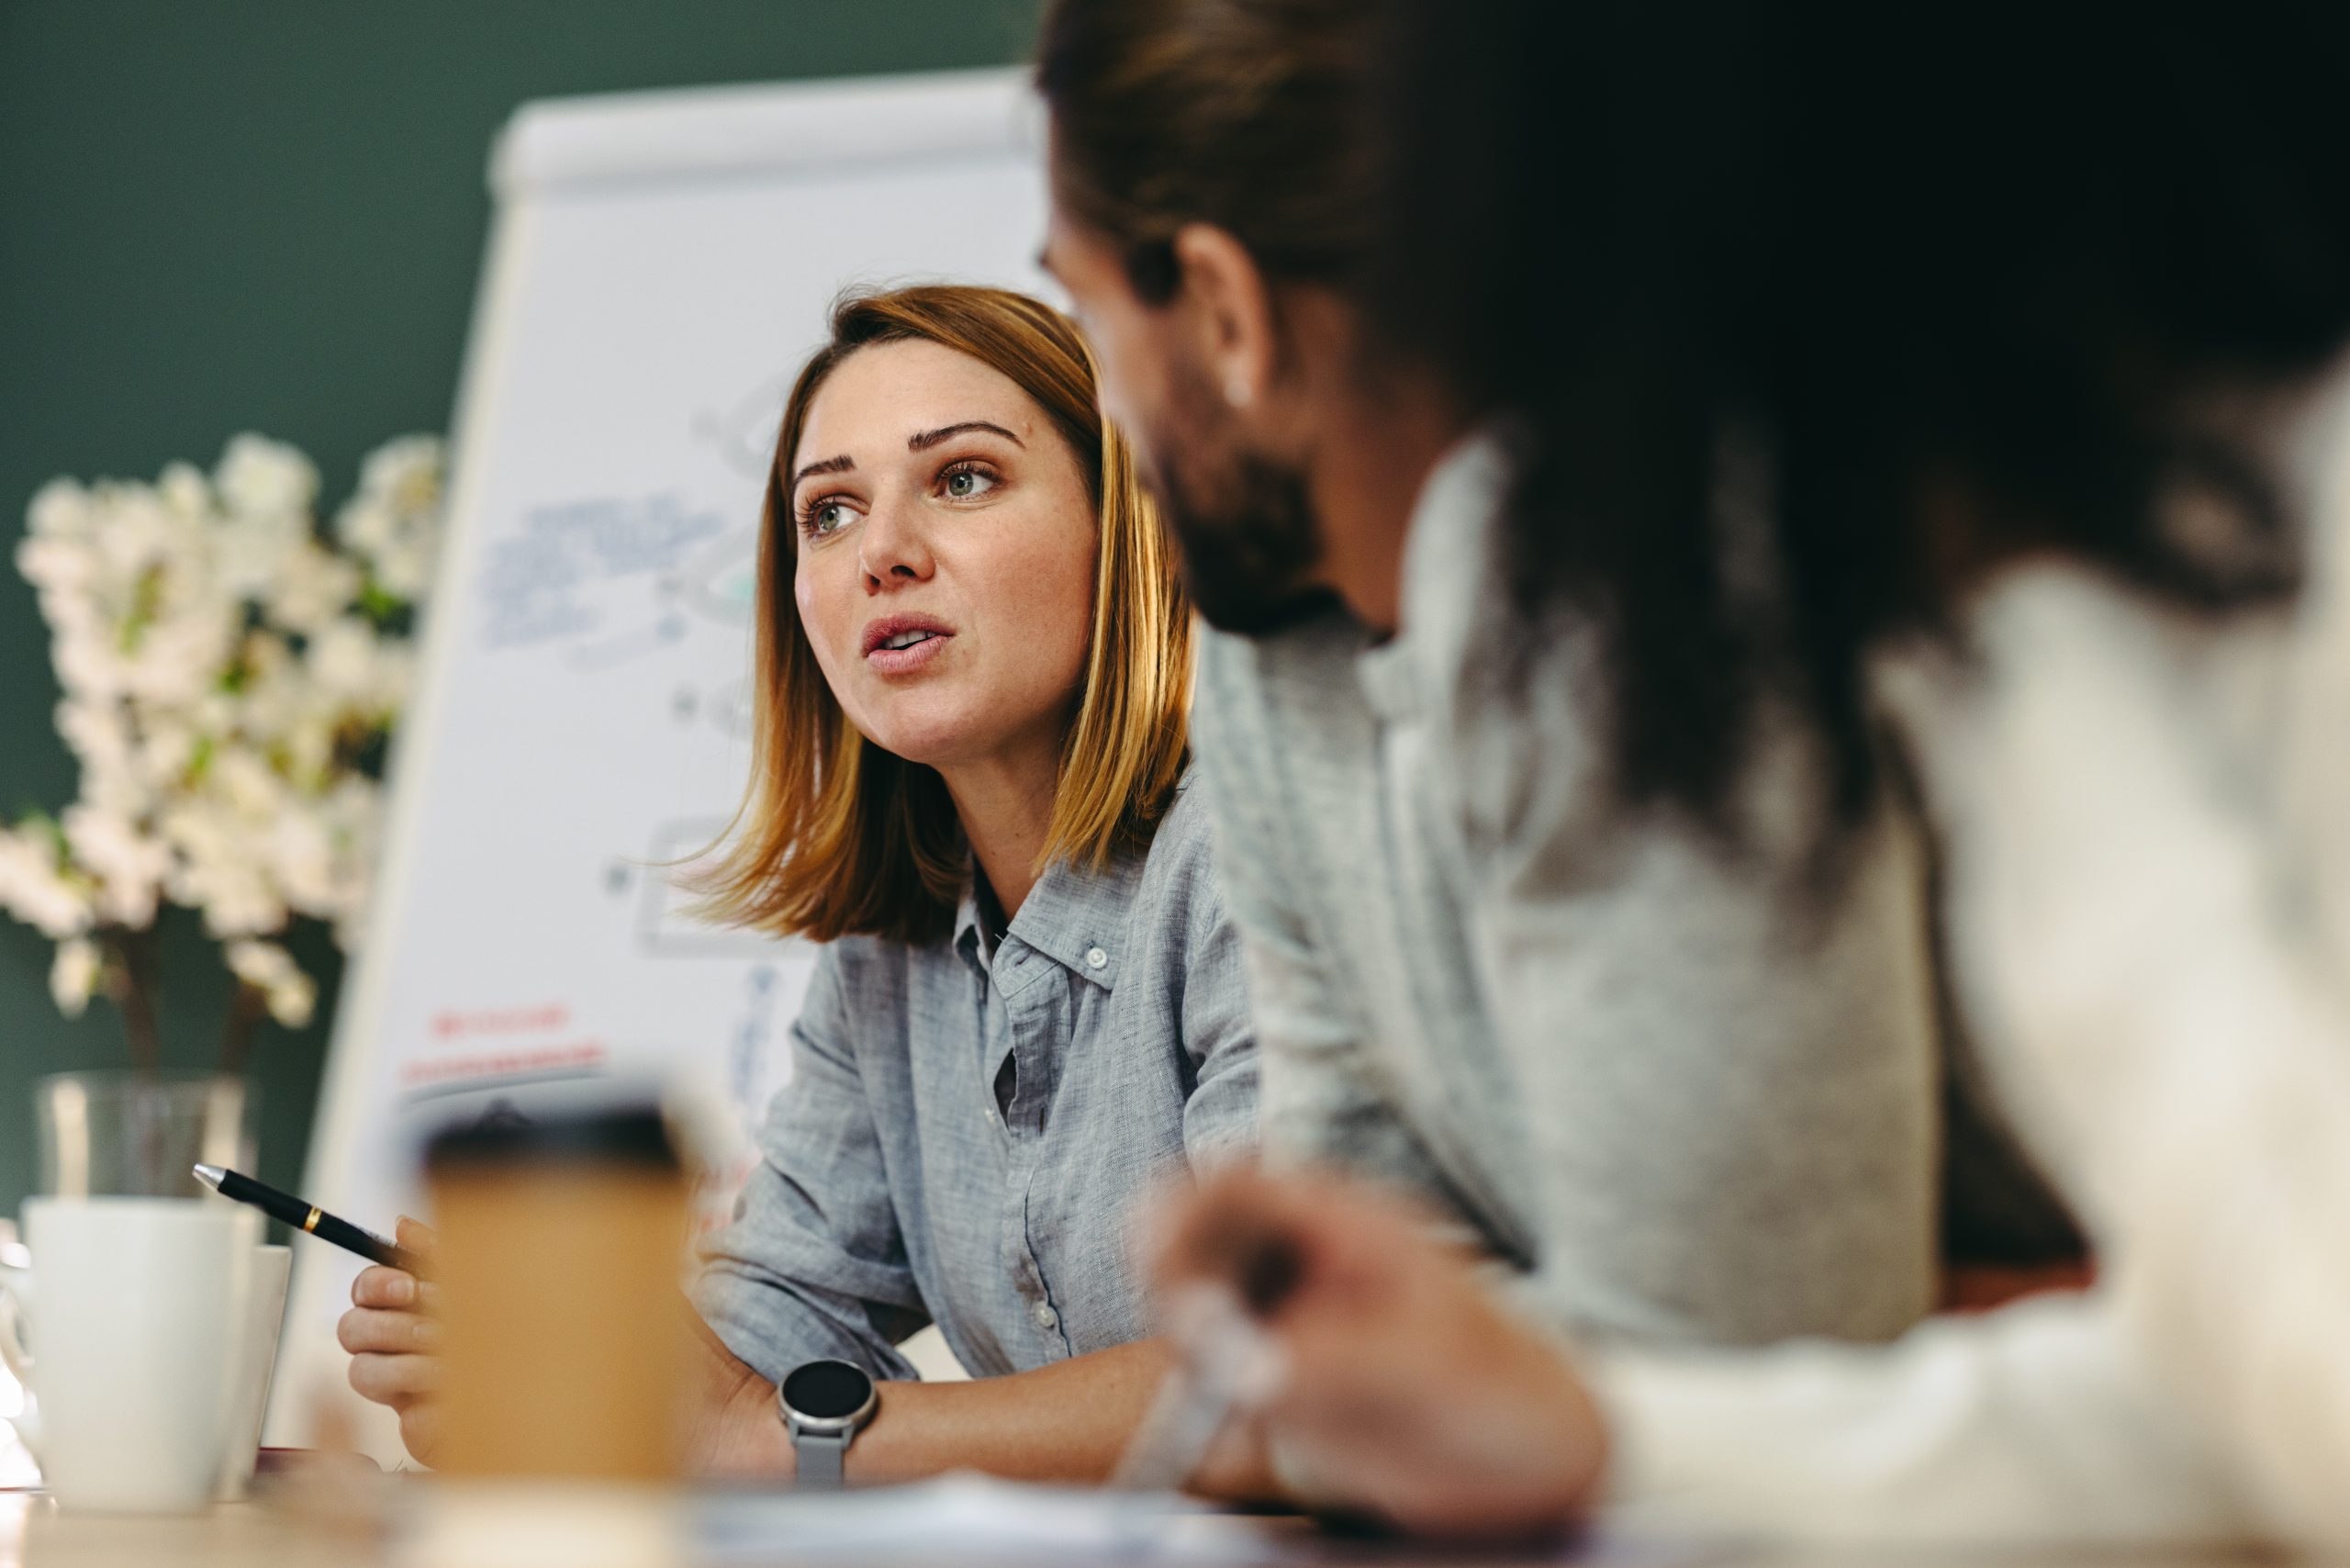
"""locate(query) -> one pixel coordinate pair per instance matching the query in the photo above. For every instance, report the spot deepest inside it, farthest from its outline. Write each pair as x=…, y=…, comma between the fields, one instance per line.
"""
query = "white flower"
x=73, y=975
x=295, y=1002
x=57, y=564
x=95, y=731
x=199, y=830
x=264, y=479
x=365, y=525
x=34, y=888
x=89, y=668
x=405, y=569
x=186, y=492
x=310, y=587
x=247, y=782
x=261, y=964
x=129, y=865
x=166, y=753
x=247, y=550
x=301, y=853
x=394, y=520
x=308, y=745
x=237, y=899
x=405, y=473
x=270, y=969
x=59, y=508
x=136, y=531
x=266, y=656
x=179, y=658
x=342, y=661
x=353, y=815
x=117, y=787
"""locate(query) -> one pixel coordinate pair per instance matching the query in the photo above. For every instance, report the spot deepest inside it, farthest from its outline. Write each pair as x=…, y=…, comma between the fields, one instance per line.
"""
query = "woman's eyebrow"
x=828, y=466
x=923, y=440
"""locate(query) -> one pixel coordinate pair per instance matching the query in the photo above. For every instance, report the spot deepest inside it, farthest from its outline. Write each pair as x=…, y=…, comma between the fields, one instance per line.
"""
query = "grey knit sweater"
x=1692, y=1099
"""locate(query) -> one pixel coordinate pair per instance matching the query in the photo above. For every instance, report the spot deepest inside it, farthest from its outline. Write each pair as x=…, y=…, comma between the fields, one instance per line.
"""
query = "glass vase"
x=140, y=1135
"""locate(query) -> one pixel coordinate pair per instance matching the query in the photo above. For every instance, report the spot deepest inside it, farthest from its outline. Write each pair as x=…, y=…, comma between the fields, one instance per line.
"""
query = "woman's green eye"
x=967, y=484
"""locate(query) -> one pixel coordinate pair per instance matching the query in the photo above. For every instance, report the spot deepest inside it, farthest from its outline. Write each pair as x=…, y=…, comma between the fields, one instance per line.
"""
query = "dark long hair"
x=1938, y=286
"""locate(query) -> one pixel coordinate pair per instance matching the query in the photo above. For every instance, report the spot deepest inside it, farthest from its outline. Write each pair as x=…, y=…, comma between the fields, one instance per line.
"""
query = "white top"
x=2146, y=859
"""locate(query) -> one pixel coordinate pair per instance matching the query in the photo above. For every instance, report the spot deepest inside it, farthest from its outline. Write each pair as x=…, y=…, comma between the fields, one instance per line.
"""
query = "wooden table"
x=33, y=1534
x=240, y=1535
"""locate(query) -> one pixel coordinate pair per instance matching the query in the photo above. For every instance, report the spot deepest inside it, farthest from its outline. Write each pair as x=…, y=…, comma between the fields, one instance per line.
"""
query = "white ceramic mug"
x=129, y=1332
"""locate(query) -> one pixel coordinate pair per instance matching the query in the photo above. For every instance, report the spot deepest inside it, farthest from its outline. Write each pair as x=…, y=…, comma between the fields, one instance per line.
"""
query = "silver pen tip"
x=210, y=1176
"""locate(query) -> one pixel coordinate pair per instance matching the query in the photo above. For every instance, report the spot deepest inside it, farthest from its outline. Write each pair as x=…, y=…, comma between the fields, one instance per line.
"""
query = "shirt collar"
x=966, y=925
x=1075, y=916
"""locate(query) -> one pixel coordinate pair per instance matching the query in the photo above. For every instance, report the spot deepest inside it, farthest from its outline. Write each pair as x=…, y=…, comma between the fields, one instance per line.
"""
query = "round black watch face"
x=827, y=1390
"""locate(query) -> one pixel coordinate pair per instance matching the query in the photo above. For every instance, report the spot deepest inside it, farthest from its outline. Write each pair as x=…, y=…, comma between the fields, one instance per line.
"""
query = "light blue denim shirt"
x=965, y=1135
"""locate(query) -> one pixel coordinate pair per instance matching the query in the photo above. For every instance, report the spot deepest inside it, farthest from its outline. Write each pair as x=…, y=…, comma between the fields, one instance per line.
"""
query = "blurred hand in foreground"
x=1406, y=1390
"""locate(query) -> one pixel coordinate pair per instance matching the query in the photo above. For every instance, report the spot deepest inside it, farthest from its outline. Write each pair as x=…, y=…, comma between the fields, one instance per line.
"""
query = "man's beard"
x=1247, y=535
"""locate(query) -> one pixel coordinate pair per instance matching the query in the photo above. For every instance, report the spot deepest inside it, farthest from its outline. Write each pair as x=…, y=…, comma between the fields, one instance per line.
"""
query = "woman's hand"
x=393, y=1337
x=1407, y=1391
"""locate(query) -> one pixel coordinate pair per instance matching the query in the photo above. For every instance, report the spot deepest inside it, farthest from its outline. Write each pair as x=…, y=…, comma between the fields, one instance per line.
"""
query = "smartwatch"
x=823, y=1405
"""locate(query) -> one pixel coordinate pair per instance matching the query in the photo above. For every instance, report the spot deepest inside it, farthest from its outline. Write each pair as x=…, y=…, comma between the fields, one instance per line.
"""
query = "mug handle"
x=17, y=1285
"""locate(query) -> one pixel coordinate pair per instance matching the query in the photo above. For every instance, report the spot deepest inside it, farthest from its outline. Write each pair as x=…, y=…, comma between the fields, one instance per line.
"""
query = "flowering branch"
x=229, y=670
x=133, y=989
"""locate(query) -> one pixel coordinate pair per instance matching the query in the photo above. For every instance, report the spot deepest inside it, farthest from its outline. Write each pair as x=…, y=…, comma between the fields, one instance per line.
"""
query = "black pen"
x=309, y=1217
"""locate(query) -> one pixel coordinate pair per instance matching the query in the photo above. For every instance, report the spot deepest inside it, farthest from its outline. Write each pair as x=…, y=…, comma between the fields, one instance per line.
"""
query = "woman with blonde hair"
x=973, y=670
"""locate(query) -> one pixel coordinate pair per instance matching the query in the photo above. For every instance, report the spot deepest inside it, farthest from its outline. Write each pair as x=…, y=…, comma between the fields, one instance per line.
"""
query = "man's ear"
x=1232, y=312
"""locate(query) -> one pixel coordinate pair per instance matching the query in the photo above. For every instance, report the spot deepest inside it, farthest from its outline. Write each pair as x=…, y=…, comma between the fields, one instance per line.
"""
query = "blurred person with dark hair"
x=2013, y=367
x=1432, y=878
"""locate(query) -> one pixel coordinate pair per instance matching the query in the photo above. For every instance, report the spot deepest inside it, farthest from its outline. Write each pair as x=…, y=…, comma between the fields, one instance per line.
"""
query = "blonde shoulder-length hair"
x=836, y=836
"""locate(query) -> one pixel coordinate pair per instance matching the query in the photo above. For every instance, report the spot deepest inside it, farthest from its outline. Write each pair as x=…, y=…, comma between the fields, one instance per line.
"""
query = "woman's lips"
x=905, y=661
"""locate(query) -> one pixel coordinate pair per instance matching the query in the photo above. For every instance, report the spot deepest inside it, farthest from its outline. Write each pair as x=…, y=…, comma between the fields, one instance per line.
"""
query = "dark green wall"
x=221, y=215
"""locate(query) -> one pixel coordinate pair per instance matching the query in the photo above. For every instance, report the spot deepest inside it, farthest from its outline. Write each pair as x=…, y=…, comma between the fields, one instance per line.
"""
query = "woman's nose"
x=891, y=549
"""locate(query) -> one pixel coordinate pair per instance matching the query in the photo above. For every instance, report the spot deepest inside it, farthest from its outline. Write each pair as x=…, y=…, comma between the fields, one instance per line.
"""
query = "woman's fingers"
x=388, y=1333
x=396, y=1381
x=420, y=1430
x=378, y=1286
x=391, y=1334
x=394, y=1290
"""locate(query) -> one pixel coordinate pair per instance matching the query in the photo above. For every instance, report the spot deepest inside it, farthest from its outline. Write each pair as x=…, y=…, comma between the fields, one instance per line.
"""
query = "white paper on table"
x=970, y=1518
x=974, y=1519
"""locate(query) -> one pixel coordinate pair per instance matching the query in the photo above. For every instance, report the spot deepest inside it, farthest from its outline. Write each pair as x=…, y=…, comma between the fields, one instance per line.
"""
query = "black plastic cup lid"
x=631, y=1135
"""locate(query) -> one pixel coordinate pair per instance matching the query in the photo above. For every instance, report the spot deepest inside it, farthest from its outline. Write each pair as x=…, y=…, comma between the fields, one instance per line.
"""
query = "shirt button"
x=1046, y=1318
x=1095, y=959
x=990, y=1115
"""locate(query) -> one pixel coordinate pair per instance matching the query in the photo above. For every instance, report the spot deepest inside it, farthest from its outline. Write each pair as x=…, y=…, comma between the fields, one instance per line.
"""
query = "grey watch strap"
x=819, y=1456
